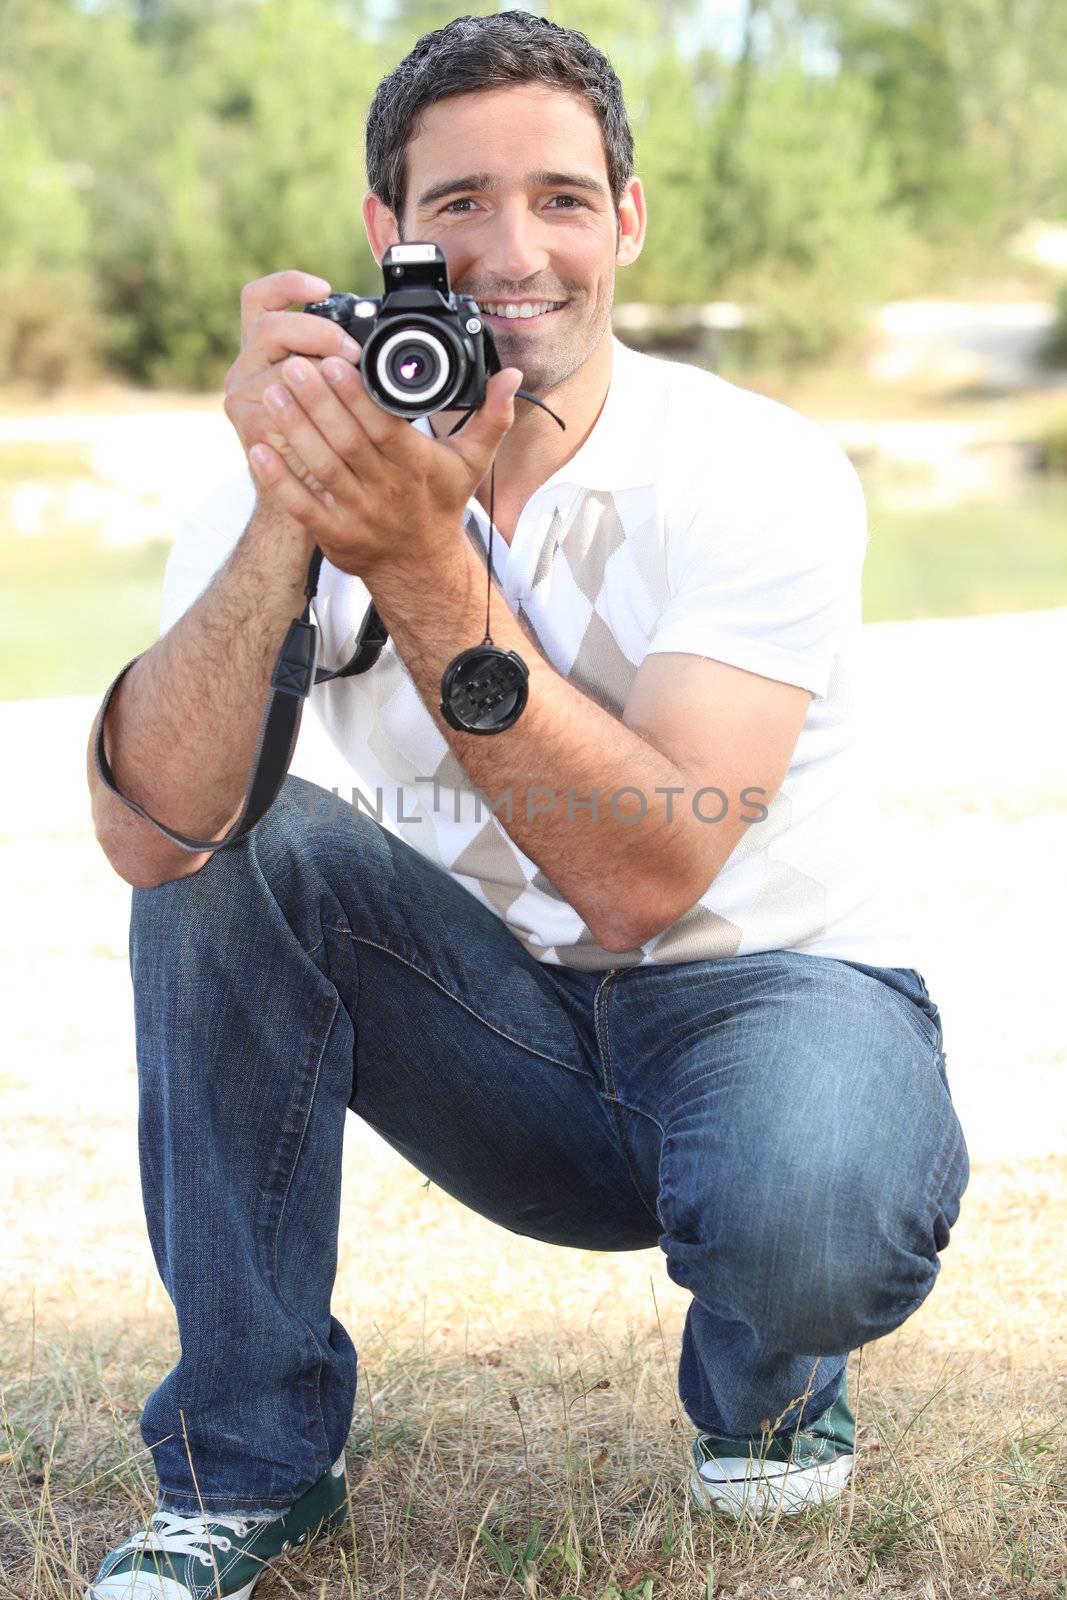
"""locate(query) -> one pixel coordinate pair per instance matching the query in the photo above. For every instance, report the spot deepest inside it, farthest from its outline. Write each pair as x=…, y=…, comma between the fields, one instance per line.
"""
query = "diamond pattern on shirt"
x=759, y=835
x=791, y=908
x=588, y=956
x=548, y=551
x=713, y=527
x=699, y=935
x=600, y=670
x=595, y=533
x=395, y=764
x=546, y=886
x=490, y=859
x=450, y=772
x=403, y=720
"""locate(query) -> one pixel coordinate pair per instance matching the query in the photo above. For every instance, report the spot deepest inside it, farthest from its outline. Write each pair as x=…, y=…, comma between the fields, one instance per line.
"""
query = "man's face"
x=512, y=184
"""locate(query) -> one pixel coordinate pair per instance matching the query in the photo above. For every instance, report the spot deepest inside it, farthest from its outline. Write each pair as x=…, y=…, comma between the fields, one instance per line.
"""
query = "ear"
x=632, y=223
x=380, y=224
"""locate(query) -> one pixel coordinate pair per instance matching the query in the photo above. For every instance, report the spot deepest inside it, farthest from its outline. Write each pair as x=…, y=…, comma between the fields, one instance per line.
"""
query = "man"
x=658, y=998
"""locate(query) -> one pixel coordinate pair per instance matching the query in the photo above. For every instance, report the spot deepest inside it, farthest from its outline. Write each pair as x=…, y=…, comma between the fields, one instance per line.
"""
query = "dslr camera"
x=424, y=349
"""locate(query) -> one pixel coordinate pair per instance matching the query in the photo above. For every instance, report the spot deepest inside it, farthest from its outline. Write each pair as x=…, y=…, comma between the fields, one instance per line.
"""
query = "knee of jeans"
x=822, y=1278
x=290, y=854
x=194, y=905
x=309, y=820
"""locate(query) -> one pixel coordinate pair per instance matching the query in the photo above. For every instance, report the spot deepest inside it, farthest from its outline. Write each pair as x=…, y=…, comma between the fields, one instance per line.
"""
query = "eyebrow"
x=482, y=182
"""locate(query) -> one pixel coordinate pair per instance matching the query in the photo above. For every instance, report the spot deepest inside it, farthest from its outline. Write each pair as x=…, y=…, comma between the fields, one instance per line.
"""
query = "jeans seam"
x=614, y=1102
x=281, y=1216
x=939, y=1175
x=500, y=1033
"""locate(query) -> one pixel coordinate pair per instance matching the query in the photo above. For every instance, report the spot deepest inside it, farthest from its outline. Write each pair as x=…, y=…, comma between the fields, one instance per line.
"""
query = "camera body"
x=424, y=349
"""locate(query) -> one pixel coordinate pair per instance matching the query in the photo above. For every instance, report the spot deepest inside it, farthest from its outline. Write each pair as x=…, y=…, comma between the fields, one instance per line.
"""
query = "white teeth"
x=512, y=311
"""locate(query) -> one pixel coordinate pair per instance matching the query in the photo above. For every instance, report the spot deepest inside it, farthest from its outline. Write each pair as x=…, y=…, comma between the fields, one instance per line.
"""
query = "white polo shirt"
x=698, y=517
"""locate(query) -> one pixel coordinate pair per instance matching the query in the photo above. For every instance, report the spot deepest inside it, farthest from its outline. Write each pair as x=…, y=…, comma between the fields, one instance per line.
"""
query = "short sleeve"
x=209, y=532
x=767, y=575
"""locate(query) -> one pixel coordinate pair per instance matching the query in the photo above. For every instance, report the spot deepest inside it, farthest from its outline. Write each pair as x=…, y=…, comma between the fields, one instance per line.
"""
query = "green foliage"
x=46, y=285
x=514, y=1561
x=156, y=157
x=802, y=228
x=673, y=158
x=972, y=106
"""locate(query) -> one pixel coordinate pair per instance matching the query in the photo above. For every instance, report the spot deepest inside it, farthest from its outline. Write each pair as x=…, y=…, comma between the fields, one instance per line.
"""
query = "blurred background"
x=858, y=206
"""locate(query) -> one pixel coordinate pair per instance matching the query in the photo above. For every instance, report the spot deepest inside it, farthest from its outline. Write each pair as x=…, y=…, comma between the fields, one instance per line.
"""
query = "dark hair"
x=472, y=53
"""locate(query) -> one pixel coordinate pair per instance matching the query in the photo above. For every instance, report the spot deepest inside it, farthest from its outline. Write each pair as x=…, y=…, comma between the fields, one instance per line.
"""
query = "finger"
x=479, y=439
x=303, y=437
x=275, y=292
x=280, y=485
x=323, y=403
x=279, y=334
x=393, y=436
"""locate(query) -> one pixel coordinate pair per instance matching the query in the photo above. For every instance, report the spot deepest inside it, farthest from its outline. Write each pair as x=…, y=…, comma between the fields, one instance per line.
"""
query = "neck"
x=535, y=447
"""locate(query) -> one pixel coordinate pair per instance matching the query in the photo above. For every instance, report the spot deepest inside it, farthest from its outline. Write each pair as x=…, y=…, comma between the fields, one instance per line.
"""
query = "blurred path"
x=966, y=744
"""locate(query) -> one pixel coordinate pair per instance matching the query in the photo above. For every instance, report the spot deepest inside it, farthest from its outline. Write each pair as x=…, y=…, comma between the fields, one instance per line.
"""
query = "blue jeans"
x=779, y=1124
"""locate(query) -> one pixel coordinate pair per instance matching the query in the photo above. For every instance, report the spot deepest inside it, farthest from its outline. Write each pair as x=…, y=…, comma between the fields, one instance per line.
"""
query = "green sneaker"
x=216, y=1557
x=794, y=1471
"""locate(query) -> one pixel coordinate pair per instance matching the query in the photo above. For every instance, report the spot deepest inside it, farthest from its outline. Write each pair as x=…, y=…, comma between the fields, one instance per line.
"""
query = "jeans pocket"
x=911, y=986
x=929, y=1010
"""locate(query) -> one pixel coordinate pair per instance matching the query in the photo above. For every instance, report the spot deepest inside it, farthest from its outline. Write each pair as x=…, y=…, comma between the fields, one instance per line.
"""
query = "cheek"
x=459, y=250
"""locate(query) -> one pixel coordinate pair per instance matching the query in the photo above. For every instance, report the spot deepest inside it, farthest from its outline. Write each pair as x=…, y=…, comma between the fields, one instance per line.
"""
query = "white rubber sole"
x=152, y=1586
x=737, y=1485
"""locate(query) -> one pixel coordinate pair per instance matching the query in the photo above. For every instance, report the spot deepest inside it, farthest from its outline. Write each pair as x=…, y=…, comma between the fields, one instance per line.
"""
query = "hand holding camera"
x=372, y=490
x=343, y=462
x=270, y=335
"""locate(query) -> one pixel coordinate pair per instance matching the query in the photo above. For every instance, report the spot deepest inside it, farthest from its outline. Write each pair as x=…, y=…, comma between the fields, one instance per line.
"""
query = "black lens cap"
x=484, y=689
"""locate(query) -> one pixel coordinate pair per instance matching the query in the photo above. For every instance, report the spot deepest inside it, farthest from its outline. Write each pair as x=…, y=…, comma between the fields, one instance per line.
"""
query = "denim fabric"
x=779, y=1124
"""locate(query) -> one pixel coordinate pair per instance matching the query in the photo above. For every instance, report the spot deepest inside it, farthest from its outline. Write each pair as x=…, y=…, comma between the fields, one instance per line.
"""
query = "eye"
x=465, y=200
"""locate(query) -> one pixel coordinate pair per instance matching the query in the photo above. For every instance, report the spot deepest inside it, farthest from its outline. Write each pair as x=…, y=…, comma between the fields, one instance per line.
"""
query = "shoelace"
x=188, y=1536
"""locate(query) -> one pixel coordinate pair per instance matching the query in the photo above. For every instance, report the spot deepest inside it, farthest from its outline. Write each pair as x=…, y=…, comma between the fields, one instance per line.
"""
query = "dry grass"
x=961, y=1448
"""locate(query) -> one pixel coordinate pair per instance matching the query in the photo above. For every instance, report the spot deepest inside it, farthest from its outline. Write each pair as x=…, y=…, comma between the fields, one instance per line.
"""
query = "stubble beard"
x=544, y=372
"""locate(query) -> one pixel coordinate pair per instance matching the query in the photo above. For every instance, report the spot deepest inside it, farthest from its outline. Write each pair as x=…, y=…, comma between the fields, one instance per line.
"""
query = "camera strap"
x=294, y=676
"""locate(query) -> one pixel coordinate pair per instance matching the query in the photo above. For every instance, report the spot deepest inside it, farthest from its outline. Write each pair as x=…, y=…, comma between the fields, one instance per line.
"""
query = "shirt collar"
x=618, y=452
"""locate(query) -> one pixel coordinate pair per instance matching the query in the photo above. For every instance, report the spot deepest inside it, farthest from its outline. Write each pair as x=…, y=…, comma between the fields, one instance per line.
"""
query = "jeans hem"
x=222, y=1504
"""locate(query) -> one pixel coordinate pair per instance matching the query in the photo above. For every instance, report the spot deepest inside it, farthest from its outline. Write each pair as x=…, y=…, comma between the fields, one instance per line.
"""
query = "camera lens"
x=411, y=369
x=413, y=366
x=408, y=368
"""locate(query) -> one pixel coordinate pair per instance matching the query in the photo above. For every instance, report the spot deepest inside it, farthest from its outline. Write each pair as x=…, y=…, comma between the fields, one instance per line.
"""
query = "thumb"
x=479, y=439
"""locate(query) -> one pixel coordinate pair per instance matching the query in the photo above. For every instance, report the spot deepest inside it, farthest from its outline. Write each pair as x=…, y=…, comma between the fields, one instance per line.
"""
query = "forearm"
x=618, y=868
x=182, y=725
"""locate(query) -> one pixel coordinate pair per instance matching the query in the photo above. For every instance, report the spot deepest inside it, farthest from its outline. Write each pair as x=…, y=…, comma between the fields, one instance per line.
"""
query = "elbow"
x=138, y=876
x=129, y=869
x=662, y=912
x=619, y=938
x=147, y=866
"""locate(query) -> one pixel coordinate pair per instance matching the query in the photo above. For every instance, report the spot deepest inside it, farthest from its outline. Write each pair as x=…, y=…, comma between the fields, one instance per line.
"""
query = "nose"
x=516, y=248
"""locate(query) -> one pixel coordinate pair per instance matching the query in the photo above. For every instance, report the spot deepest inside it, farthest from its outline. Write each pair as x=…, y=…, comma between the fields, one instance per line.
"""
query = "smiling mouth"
x=505, y=312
